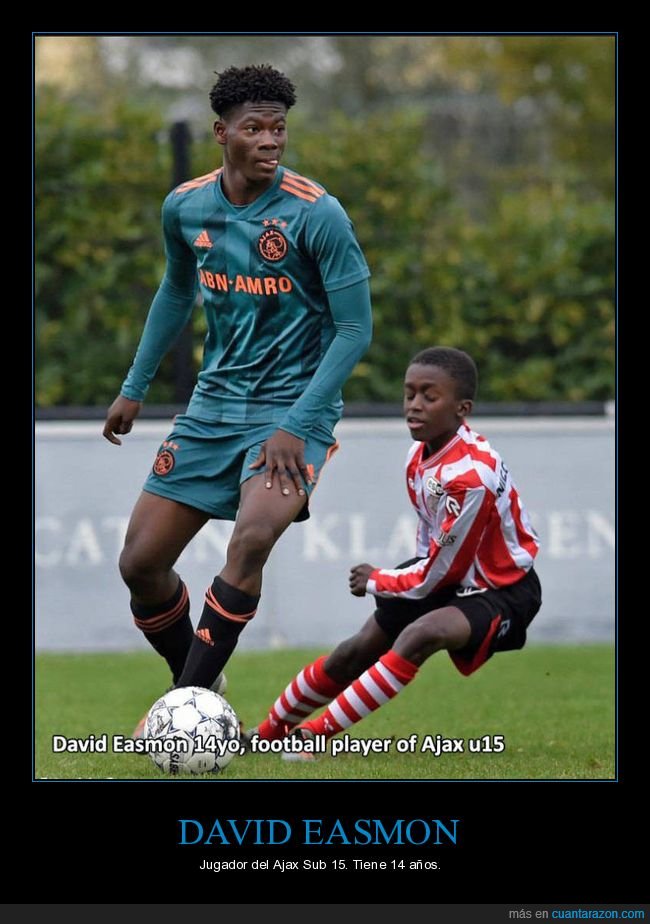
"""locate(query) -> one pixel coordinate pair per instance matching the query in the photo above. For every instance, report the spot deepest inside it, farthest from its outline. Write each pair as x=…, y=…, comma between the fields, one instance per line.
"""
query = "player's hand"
x=284, y=453
x=359, y=579
x=120, y=417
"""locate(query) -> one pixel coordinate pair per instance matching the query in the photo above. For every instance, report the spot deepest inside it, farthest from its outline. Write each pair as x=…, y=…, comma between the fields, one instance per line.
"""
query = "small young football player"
x=471, y=589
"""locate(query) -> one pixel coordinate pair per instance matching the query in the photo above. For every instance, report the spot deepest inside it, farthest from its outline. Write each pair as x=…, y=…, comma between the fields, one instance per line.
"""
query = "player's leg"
x=158, y=532
x=445, y=628
x=470, y=627
x=231, y=602
x=195, y=477
x=264, y=514
x=319, y=682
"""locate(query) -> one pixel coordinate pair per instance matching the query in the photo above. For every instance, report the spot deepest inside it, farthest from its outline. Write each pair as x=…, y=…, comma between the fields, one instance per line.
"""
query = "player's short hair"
x=457, y=364
x=252, y=84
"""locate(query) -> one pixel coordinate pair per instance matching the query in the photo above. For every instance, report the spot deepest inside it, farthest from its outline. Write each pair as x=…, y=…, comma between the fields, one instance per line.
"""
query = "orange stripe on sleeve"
x=303, y=183
x=199, y=181
x=295, y=192
x=303, y=187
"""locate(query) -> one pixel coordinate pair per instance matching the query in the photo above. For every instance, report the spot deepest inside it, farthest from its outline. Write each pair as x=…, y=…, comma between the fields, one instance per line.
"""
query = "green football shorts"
x=204, y=464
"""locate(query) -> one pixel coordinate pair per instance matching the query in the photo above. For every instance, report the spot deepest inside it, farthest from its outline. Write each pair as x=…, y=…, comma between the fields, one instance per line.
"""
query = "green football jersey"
x=264, y=271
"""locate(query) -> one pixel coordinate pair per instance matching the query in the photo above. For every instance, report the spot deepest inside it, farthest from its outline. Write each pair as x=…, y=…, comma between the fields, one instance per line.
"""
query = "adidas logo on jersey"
x=203, y=240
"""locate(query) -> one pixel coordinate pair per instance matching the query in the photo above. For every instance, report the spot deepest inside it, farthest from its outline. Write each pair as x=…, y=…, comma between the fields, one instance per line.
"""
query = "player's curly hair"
x=254, y=83
x=457, y=364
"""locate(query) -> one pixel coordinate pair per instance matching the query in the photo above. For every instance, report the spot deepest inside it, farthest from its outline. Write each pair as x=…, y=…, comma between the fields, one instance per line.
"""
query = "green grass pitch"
x=554, y=705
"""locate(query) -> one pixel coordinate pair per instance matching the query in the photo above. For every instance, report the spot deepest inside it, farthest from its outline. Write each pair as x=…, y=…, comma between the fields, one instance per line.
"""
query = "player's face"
x=432, y=408
x=254, y=137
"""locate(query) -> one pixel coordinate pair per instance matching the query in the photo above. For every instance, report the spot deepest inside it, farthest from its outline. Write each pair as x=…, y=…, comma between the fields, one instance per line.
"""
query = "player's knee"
x=422, y=638
x=137, y=569
x=251, y=545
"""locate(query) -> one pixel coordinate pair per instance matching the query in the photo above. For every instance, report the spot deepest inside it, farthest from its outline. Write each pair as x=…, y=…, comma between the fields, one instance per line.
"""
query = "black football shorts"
x=498, y=618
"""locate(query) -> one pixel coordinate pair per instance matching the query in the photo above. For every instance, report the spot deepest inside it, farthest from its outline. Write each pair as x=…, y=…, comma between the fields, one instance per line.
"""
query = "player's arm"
x=331, y=240
x=463, y=514
x=360, y=574
x=168, y=315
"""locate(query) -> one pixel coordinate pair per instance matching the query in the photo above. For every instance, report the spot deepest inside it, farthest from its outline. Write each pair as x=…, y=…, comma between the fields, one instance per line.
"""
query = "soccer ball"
x=191, y=730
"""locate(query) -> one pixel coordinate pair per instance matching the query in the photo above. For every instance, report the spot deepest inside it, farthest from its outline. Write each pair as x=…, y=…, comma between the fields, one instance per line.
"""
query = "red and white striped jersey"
x=473, y=530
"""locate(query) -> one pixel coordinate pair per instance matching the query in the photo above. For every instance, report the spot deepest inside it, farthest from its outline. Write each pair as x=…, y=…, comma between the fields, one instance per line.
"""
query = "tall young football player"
x=471, y=590
x=286, y=296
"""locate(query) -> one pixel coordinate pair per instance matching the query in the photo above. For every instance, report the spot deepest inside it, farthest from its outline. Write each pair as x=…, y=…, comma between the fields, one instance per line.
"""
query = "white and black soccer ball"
x=191, y=730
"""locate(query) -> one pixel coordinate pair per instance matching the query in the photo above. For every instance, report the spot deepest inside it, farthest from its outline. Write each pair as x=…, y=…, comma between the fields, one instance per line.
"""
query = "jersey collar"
x=435, y=458
x=226, y=204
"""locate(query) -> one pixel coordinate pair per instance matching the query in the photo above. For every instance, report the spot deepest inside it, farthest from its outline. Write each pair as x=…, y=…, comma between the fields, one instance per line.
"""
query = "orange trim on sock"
x=214, y=604
x=165, y=619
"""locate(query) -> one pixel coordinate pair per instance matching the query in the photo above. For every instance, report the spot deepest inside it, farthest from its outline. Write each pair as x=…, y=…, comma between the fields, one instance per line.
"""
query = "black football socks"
x=226, y=612
x=167, y=627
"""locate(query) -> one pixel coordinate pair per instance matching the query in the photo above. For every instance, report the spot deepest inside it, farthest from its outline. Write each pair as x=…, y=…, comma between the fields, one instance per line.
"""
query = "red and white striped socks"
x=372, y=689
x=310, y=690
